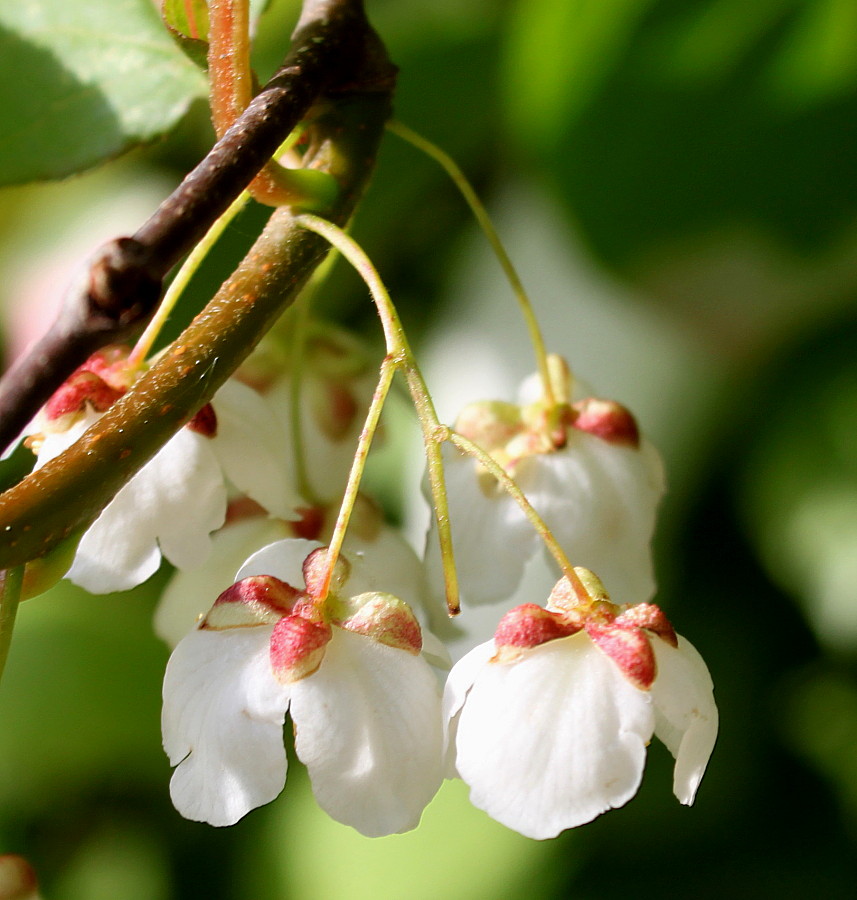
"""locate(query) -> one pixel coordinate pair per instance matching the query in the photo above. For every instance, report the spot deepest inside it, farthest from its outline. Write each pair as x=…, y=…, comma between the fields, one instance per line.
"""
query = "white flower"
x=586, y=471
x=549, y=722
x=364, y=703
x=179, y=497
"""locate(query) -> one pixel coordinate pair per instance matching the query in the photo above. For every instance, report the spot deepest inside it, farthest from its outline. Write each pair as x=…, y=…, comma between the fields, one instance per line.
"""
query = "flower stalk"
x=477, y=207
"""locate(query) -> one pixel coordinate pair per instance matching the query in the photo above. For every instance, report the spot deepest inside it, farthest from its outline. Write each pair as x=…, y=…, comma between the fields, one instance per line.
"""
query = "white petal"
x=175, y=500
x=191, y=592
x=553, y=740
x=223, y=724
x=492, y=538
x=282, y=559
x=600, y=500
x=686, y=715
x=55, y=443
x=458, y=684
x=252, y=447
x=367, y=727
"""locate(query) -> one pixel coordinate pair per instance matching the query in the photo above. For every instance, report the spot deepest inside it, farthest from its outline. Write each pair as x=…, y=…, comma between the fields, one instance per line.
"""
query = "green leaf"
x=84, y=80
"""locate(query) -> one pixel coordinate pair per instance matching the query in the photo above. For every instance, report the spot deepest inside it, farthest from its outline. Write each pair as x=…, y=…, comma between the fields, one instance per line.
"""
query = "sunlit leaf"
x=83, y=81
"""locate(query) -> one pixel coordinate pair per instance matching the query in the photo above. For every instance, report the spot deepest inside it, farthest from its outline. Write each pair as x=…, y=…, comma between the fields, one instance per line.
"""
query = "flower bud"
x=17, y=878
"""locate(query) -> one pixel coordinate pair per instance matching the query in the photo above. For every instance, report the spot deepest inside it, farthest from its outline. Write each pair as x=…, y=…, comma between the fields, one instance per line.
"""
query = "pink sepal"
x=629, y=648
x=386, y=619
x=257, y=600
x=204, y=422
x=297, y=648
x=111, y=364
x=607, y=420
x=315, y=572
x=529, y=625
x=76, y=391
x=652, y=618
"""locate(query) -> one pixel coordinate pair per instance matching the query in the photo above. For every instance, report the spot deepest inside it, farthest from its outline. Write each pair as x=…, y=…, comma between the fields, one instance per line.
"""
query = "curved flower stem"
x=361, y=454
x=481, y=214
x=400, y=356
x=297, y=342
x=11, y=582
x=394, y=334
x=180, y=282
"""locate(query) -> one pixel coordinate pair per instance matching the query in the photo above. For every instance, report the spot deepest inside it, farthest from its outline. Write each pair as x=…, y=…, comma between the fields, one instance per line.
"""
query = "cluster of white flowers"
x=553, y=698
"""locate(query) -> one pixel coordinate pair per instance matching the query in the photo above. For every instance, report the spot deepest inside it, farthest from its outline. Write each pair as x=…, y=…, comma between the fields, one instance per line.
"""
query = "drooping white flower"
x=364, y=703
x=587, y=472
x=179, y=497
x=549, y=722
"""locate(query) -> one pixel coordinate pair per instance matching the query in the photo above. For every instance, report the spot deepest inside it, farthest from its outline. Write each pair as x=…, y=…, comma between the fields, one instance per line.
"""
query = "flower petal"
x=175, y=500
x=367, y=727
x=282, y=559
x=553, y=740
x=223, y=724
x=459, y=682
x=252, y=447
x=600, y=501
x=685, y=713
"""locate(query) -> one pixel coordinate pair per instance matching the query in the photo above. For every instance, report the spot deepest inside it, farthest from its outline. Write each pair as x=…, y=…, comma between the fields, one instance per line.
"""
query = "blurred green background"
x=676, y=180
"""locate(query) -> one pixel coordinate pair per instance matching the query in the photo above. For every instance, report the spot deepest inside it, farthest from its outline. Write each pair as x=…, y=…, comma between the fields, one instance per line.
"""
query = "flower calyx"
x=510, y=432
x=302, y=620
x=622, y=634
x=91, y=389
